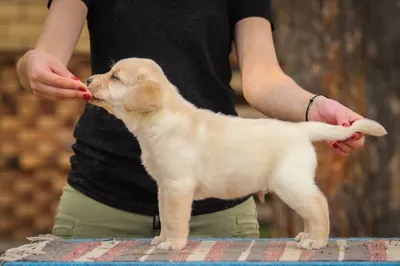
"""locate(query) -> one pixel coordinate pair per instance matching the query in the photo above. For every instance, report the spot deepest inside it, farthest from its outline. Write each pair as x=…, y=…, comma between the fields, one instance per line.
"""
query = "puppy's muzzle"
x=90, y=80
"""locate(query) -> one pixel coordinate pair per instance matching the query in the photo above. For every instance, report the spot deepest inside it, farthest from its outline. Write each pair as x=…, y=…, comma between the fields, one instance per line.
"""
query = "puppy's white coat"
x=197, y=154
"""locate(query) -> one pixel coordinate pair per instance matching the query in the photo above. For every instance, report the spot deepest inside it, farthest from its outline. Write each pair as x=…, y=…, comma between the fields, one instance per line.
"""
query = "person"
x=109, y=194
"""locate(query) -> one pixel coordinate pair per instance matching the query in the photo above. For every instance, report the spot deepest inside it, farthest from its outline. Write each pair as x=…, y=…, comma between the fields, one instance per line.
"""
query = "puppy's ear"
x=144, y=97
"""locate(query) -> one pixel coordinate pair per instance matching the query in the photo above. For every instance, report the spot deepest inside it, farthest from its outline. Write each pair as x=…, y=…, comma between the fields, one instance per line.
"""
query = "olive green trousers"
x=79, y=216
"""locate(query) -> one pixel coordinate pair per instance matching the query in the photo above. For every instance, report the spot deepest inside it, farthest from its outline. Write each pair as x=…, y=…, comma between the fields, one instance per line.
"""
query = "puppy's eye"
x=113, y=77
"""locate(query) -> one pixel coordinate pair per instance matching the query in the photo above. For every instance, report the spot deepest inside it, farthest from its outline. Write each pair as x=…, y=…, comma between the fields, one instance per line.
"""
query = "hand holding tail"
x=318, y=131
x=333, y=113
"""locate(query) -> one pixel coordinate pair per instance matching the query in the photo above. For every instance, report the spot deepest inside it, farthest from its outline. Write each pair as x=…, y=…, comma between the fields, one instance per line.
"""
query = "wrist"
x=312, y=110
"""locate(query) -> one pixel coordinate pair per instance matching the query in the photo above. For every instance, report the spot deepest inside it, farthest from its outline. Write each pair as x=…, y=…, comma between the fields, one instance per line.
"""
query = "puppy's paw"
x=157, y=240
x=310, y=243
x=175, y=245
x=178, y=245
x=300, y=236
x=166, y=245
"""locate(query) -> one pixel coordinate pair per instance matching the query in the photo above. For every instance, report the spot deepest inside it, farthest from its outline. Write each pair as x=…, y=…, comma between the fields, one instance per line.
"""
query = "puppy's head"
x=132, y=86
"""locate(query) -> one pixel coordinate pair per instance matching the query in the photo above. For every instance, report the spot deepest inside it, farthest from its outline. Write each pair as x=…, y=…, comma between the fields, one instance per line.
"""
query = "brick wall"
x=21, y=22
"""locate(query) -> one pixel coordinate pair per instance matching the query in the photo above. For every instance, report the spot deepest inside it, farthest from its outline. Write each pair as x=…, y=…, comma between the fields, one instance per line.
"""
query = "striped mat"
x=215, y=251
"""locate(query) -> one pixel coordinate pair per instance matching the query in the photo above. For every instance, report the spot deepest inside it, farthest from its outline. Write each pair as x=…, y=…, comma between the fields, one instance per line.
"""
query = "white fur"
x=196, y=154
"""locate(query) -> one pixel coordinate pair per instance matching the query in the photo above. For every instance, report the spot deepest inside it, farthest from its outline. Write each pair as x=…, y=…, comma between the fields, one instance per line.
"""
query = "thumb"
x=342, y=119
x=59, y=69
x=345, y=119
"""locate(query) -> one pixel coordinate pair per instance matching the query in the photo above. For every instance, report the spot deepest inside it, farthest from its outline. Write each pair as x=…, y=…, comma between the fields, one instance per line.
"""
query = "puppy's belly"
x=230, y=187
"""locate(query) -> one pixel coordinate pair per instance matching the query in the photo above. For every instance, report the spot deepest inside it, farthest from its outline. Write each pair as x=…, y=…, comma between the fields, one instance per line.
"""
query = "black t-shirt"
x=191, y=40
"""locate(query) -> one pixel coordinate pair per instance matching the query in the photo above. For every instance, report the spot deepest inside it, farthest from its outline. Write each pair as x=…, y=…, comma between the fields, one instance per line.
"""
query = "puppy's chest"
x=165, y=159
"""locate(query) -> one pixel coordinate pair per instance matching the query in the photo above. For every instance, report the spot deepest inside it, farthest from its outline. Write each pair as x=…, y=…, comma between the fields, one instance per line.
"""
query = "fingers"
x=54, y=93
x=355, y=143
x=354, y=117
x=339, y=149
x=47, y=77
x=357, y=136
x=52, y=79
x=346, y=117
x=346, y=147
x=342, y=118
x=50, y=85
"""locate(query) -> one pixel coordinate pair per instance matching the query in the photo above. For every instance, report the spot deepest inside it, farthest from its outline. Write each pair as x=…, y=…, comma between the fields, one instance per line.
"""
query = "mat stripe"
x=97, y=251
x=275, y=250
x=377, y=250
x=393, y=250
x=236, y=249
x=291, y=252
x=81, y=249
x=218, y=251
x=201, y=251
x=184, y=254
x=133, y=252
x=245, y=254
x=53, y=251
x=356, y=250
x=342, y=245
x=308, y=254
x=329, y=253
x=257, y=251
x=160, y=255
x=111, y=254
x=147, y=253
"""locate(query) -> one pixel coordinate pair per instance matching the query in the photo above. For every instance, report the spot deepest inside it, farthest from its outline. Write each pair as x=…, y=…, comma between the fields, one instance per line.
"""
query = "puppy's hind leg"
x=309, y=202
x=177, y=205
x=303, y=234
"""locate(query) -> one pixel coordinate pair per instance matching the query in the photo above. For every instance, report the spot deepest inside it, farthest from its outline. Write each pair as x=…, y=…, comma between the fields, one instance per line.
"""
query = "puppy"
x=196, y=154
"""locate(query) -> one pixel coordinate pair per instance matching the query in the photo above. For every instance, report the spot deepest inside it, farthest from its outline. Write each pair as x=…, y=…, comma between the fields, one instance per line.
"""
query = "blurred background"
x=348, y=50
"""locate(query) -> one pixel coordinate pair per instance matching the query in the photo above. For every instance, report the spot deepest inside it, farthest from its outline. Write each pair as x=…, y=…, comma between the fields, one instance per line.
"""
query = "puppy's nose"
x=89, y=81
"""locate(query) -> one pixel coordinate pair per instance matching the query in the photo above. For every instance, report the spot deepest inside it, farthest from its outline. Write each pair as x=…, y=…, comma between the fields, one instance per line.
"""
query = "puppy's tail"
x=318, y=131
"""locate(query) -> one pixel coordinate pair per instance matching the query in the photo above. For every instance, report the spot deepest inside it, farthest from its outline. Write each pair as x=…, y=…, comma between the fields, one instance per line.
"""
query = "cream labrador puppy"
x=196, y=154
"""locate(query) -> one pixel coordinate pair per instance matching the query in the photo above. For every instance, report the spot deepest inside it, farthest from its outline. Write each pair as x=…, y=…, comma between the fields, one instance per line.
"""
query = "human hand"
x=47, y=77
x=334, y=113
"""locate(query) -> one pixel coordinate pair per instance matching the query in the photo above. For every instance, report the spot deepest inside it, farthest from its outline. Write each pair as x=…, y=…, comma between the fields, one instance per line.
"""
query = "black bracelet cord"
x=310, y=102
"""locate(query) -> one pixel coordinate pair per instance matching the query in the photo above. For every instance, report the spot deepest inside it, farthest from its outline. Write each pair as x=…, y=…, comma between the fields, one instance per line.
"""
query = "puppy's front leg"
x=177, y=204
x=163, y=235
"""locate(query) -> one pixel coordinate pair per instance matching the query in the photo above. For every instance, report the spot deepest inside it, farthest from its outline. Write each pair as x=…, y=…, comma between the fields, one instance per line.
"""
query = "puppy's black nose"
x=89, y=81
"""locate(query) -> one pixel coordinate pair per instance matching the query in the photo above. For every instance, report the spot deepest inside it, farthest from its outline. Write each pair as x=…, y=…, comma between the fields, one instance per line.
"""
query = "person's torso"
x=191, y=40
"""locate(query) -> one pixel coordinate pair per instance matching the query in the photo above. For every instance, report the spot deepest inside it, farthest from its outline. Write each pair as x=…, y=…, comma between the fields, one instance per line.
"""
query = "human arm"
x=265, y=86
x=269, y=90
x=43, y=69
